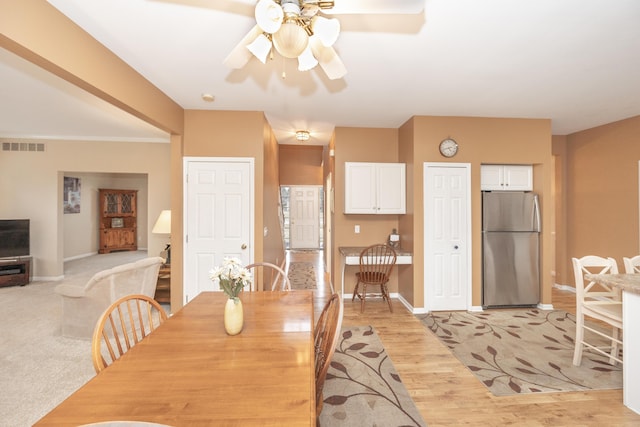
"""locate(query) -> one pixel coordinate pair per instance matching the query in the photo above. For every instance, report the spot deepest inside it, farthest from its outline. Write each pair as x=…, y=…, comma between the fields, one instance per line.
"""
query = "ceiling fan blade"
x=406, y=7
x=240, y=55
x=328, y=59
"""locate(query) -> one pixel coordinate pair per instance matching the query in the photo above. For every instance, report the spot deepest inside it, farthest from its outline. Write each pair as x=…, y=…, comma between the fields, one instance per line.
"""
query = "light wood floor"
x=447, y=394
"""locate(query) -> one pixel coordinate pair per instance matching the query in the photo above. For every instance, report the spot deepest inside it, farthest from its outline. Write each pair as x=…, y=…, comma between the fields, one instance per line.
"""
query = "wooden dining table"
x=189, y=372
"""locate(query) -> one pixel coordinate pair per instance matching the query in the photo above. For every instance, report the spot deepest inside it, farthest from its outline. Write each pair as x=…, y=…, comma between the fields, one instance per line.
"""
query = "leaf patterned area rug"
x=522, y=351
x=362, y=387
x=302, y=275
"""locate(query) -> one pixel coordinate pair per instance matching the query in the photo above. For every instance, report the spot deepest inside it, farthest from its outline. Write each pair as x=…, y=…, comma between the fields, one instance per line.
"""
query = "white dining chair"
x=632, y=265
x=598, y=302
x=265, y=272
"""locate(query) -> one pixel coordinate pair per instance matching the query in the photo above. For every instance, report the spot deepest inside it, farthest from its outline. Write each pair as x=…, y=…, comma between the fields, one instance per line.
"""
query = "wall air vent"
x=23, y=146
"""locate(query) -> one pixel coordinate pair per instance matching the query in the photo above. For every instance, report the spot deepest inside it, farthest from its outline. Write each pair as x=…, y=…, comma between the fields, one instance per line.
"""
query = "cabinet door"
x=518, y=177
x=491, y=177
x=127, y=204
x=360, y=188
x=391, y=193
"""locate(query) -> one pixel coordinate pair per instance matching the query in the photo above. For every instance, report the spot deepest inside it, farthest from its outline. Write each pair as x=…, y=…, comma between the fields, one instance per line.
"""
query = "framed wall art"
x=71, y=195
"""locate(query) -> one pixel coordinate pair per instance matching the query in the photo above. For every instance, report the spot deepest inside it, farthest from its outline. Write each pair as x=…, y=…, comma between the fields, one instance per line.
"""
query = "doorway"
x=303, y=214
x=447, y=236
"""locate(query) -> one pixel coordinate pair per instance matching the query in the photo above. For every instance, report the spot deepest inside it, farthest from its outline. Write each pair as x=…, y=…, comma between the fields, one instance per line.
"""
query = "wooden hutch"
x=118, y=220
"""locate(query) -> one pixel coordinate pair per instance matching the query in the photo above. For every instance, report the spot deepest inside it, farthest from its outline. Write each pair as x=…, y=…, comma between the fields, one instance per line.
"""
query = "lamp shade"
x=306, y=60
x=163, y=223
x=327, y=30
x=269, y=16
x=290, y=40
x=260, y=47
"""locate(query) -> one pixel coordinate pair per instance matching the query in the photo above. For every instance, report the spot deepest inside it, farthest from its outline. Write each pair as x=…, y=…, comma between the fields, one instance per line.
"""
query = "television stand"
x=15, y=271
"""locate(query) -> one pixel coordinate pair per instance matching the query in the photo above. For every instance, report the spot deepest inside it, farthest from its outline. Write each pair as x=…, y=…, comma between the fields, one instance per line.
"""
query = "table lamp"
x=163, y=226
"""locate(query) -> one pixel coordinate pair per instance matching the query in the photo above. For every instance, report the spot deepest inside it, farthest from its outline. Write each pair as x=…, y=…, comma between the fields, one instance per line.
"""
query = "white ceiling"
x=576, y=62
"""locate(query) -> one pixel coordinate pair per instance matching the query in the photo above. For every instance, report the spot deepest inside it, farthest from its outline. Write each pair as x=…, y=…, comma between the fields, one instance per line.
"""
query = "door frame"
x=185, y=183
x=467, y=252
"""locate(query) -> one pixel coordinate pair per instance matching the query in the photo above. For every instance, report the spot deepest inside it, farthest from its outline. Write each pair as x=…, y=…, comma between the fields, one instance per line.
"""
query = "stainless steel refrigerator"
x=510, y=249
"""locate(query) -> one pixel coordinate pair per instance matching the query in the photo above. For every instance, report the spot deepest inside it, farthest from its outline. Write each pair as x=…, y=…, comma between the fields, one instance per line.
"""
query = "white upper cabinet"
x=506, y=177
x=375, y=188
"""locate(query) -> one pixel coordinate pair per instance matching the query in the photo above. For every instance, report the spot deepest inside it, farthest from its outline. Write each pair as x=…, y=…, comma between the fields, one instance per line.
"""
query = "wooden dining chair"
x=265, y=272
x=598, y=302
x=376, y=264
x=124, y=324
x=632, y=265
x=326, y=335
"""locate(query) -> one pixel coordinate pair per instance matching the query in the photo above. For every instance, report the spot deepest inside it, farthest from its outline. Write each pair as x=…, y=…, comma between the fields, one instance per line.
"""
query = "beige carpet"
x=302, y=275
x=362, y=386
x=522, y=351
x=38, y=367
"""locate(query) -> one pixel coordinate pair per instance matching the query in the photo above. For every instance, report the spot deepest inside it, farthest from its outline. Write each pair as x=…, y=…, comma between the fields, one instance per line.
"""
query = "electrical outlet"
x=357, y=229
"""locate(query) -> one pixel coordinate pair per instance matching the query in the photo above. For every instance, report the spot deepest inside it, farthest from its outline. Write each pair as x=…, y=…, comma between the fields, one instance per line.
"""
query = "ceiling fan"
x=299, y=29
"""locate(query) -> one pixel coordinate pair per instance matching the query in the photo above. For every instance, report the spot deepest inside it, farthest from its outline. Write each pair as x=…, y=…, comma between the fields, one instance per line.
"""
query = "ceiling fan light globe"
x=290, y=40
x=306, y=60
x=269, y=16
x=327, y=30
x=260, y=48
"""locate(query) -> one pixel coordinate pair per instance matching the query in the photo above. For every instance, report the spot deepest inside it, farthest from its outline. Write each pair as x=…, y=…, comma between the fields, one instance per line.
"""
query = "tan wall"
x=230, y=134
x=481, y=140
x=360, y=145
x=274, y=251
x=408, y=227
x=559, y=150
x=32, y=181
x=602, y=192
x=301, y=165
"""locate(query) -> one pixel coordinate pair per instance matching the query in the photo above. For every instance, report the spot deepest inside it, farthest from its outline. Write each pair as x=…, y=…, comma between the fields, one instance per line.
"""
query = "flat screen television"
x=14, y=238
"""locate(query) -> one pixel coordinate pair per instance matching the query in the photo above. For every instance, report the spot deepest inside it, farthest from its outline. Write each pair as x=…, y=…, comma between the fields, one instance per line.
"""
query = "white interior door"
x=447, y=204
x=304, y=217
x=218, y=215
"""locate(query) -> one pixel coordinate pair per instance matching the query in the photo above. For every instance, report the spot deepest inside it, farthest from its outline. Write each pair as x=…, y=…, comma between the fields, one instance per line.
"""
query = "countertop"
x=626, y=282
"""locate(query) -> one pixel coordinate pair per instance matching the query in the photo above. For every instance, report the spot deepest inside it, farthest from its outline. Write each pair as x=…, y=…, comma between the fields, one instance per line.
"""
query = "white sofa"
x=83, y=305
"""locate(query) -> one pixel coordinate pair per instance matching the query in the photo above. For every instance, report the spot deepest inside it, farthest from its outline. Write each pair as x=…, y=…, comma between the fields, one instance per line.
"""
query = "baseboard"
x=564, y=287
x=413, y=310
x=80, y=256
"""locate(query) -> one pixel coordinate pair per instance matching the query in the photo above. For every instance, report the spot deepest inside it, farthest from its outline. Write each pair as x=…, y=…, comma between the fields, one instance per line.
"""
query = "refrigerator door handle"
x=536, y=213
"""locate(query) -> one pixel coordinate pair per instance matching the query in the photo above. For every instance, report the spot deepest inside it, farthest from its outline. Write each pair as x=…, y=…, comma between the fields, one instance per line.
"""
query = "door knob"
x=244, y=246
x=455, y=247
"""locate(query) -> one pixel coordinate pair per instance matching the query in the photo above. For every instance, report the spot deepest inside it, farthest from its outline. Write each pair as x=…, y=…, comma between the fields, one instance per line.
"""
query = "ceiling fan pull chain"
x=284, y=71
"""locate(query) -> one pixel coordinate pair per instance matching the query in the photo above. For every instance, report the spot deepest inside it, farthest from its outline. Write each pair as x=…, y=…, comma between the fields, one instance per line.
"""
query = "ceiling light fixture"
x=207, y=97
x=295, y=30
x=302, y=135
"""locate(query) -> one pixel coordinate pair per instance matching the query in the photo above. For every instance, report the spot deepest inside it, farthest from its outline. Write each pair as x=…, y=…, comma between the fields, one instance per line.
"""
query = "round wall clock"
x=448, y=147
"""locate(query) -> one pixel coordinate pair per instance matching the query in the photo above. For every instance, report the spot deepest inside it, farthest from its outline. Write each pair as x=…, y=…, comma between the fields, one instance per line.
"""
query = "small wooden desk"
x=350, y=255
x=190, y=372
x=630, y=286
